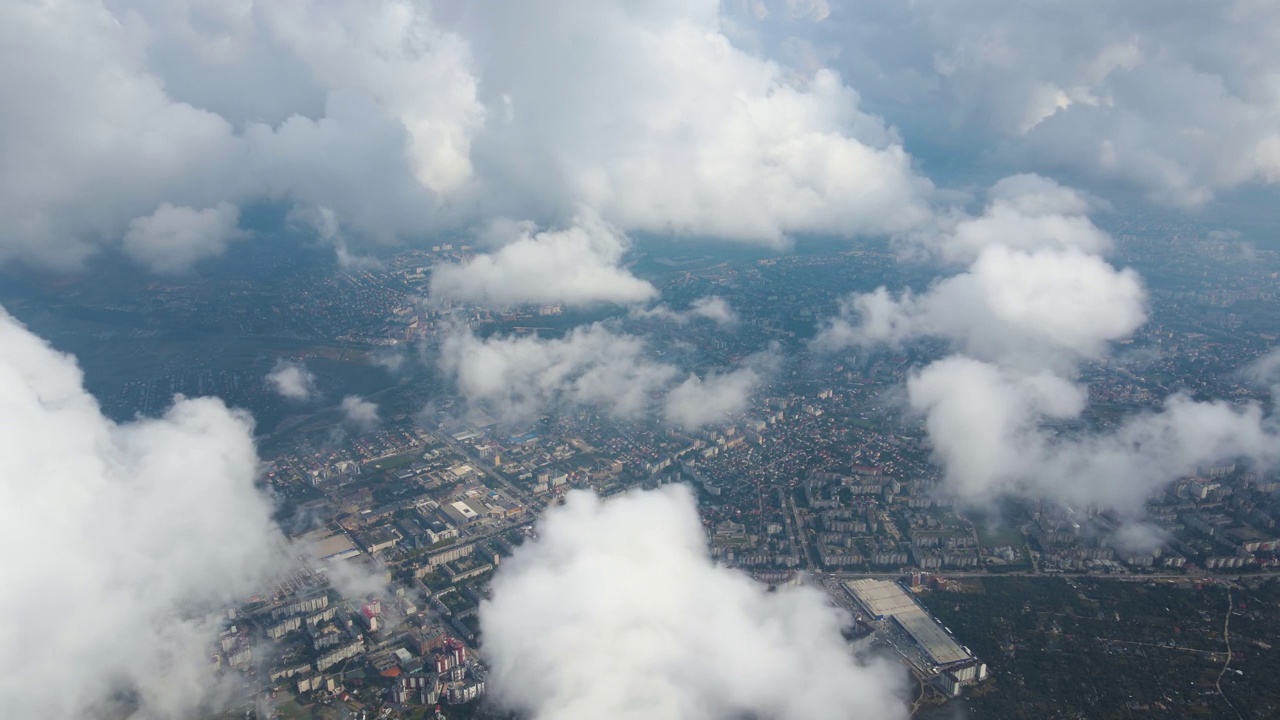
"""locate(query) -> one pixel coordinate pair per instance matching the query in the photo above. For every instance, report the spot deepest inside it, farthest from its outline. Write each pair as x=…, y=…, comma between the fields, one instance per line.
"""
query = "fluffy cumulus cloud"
x=518, y=378
x=143, y=528
x=1265, y=371
x=292, y=380
x=616, y=610
x=360, y=412
x=1037, y=299
x=980, y=419
x=716, y=398
x=575, y=266
x=1029, y=308
x=138, y=117
x=987, y=425
x=712, y=307
x=92, y=141
x=1177, y=99
x=715, y=309
x=171, y=239
x=692, y=118
x=1024, y=212
x=662, y=123
x=1034, y=293
x=394, y=53
x=152, y=122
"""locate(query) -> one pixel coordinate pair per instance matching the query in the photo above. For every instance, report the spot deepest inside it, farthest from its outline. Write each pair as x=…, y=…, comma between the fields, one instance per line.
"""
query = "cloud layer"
x=158, y=121
x=616, y=610
x=140, y=118
x=712, y=307
x=360, y=412
x=292, y=380
x=578, y=265
x=1034, y=293
x=1035, y=301
x=518, y=378
x=172, y=239
x=139, y=529
x=986, y=424
x=665, y=125
x=1175, y=100
x=137, y=117
x=717, y=397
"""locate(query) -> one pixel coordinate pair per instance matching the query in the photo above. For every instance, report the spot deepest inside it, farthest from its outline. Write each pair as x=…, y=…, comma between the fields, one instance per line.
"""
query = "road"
x=1226, y=638
x=1180, y=648
x=795, y=528
x=915, y=704
x=1134, y=577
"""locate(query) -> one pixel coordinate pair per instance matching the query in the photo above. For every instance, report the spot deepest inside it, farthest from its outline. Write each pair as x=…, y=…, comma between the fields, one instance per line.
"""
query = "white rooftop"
x=883, y=598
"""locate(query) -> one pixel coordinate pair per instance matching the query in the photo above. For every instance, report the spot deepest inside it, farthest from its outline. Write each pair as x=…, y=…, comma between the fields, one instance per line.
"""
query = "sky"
x=985, y=136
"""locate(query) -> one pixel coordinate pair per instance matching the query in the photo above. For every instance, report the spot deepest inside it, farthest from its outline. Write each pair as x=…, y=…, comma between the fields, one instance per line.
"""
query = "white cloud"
x=521, y=377
x=139, y=529
x=292, y=380
x=711, y=307
x=1265, y=371
x=984, y=421
x=374, y=110
x=406, y=118
x=353, y=262
x=360, y=412
x=1024, y=212
x=396, y=54
x=1176, y=100
x=92, y=140
x=172, y=239
x=1035, y=292
x=575, y=266
x=518, y=378
x=392, y=361
x=662, y=124
x=986, y=425
x=118, y=109
x=1035, y=301
x=715, y=398
x=716, y=309
x=1018, y=307
x=616, y=610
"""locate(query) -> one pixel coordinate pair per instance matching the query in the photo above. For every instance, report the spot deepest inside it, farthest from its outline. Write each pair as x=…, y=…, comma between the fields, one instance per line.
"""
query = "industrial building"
x=925, y=644
x=329, y=547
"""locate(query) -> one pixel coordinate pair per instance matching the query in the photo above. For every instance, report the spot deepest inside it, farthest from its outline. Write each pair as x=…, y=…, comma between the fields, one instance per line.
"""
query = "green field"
x=398, y=461
x=992, y=536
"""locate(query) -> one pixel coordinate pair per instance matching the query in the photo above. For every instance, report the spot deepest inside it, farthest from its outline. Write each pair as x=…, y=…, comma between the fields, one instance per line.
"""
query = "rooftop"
x=885, y=599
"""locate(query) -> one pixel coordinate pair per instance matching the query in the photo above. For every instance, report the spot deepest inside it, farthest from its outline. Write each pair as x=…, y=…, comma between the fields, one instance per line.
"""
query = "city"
x=823, y=480
x=700, y=360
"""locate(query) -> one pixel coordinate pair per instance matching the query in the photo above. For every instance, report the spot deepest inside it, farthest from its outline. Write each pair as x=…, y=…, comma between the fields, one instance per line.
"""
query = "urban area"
x=826, y=479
